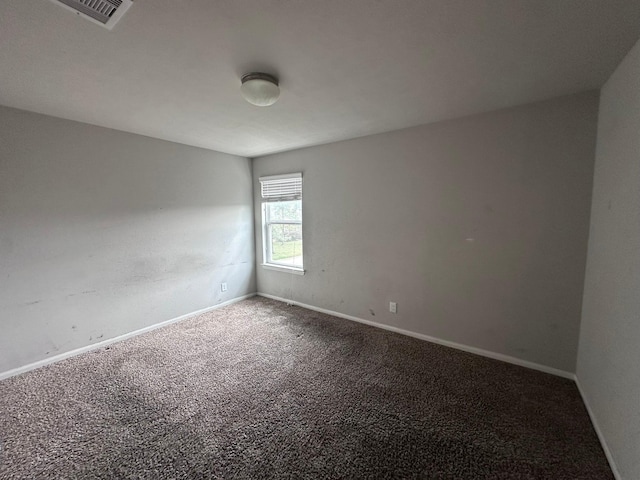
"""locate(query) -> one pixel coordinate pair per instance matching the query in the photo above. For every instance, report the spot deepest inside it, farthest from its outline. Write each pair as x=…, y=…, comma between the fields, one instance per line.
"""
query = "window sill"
x=282, y=268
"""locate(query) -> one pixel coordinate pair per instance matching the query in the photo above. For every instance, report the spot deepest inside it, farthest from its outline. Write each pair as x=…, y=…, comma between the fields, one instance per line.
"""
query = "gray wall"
x=477, y=227
x=609, y=354
x=104, y=232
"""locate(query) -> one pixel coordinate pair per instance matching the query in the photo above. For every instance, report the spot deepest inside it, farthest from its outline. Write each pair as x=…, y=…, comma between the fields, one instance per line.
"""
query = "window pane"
x=286, y=244
x=289, y=211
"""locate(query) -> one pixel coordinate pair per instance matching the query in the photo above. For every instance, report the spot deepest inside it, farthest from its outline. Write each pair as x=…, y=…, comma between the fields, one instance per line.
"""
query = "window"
x=282, y=222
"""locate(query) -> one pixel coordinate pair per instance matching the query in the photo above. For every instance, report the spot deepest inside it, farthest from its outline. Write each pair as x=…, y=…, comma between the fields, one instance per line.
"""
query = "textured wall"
x=477, y=227
x=104, y=232
x=609, y=353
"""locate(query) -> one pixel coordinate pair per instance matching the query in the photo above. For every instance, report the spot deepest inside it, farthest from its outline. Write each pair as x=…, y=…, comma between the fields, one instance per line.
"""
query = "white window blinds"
x=277, y=188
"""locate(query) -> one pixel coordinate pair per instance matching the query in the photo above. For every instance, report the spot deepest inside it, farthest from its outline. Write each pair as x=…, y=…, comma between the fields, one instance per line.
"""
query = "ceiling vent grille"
x=103, y=12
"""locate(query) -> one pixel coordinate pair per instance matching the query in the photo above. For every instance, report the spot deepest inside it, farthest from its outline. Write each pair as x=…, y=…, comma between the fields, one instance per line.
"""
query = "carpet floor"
x=260, y=390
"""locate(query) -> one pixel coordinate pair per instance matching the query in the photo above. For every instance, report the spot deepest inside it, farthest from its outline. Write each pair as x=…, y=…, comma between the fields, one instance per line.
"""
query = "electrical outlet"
x=393, y=307
x=223, y=287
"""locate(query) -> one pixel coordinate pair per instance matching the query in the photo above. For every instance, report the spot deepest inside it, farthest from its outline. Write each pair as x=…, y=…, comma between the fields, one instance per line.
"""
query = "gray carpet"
x=260, y=389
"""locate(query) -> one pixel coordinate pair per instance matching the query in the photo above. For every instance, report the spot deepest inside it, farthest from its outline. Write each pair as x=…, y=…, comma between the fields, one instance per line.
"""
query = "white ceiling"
x=171, y=68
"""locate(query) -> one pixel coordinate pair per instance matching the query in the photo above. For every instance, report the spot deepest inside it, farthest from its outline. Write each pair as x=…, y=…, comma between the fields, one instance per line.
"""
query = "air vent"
x=103, y=12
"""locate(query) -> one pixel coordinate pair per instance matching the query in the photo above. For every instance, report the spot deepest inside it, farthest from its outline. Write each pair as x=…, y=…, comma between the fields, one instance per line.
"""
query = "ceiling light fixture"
x=260, y=89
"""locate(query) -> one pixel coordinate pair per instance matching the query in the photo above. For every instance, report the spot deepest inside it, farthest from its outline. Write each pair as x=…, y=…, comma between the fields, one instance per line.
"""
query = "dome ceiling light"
x=260, y=89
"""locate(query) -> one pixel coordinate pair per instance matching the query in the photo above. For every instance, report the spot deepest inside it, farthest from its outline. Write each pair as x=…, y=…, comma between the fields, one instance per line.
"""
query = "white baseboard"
x=477, y=351
x=421, y=336
x=596, y=427
x=458, y=346
x=104, y=343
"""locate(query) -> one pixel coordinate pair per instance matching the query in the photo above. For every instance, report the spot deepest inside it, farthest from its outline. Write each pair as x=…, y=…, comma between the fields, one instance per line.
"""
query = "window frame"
x=267, y=223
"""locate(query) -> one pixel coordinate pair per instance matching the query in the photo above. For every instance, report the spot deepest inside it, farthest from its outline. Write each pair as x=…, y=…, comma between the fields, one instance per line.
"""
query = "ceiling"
x=171, y=68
